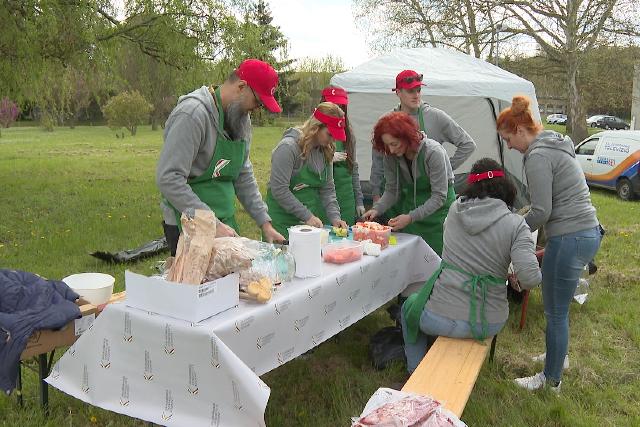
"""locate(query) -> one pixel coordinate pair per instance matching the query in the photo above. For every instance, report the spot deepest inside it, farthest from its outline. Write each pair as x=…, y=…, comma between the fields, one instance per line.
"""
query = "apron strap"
x=413, y=307
x=220, y=110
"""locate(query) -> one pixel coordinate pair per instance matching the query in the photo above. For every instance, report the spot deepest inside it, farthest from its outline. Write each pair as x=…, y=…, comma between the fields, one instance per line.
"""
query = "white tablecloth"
x=173, y=372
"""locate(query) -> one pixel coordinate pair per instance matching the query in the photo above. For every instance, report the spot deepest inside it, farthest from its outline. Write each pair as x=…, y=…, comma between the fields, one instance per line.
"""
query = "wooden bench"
x=449, y=371
x=45, y=342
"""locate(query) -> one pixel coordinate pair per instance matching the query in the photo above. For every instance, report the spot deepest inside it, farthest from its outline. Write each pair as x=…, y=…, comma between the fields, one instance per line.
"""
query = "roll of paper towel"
x=304, y=244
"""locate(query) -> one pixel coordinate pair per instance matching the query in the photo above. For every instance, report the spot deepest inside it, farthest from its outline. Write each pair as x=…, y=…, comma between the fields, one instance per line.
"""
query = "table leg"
x=492, y=352
x=523, y=314
x=43, y=371
x=19, y=385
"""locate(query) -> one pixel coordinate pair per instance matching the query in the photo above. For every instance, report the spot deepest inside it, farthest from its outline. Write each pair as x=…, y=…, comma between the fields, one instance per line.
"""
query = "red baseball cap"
x=408, y=79
x=334, y=124
x=336, y=95
x=263, y=79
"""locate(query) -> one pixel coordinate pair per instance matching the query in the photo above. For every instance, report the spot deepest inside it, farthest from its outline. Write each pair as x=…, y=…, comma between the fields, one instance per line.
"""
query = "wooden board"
x=449, y=371
x=47, y=340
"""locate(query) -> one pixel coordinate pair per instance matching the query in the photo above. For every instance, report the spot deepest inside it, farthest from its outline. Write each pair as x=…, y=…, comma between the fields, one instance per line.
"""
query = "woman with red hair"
x=418, y=173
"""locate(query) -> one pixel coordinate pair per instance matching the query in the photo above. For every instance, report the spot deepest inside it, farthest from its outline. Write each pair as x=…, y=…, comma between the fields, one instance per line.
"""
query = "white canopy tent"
x=470, y=90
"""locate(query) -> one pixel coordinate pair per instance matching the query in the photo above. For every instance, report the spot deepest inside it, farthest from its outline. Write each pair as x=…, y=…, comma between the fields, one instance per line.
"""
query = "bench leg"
x=19, y=385
x=523, y=314
x=492, y=352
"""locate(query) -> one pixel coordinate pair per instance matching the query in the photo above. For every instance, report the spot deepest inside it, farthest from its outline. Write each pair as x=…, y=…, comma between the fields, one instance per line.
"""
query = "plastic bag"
x=582, y=290
x=271, y=260
x=386, y=346
x=393, y=408
x=147, y=250
x=228, y=255
x=194, y=247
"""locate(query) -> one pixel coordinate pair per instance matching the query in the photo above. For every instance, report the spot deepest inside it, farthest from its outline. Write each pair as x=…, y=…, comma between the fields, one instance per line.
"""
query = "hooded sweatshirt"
x=286, y=162
x=438, y=168
x=560, y=198
x=190, y=137
x=482, y=236
x=440, y=127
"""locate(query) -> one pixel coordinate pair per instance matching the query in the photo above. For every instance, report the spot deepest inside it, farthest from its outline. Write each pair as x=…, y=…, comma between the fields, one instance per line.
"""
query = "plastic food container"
x=372, y=231
x=95, y=288
x=342, y=252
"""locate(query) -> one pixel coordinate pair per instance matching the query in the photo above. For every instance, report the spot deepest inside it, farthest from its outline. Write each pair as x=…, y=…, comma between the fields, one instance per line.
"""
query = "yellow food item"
x=340, y=232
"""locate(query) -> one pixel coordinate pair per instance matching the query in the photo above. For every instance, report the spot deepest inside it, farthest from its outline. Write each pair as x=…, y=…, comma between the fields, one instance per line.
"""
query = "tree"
x=42, y=38
x=128, y=109
x=313, y=75
x=9, y=112
x=567, y=31
x=465, y=25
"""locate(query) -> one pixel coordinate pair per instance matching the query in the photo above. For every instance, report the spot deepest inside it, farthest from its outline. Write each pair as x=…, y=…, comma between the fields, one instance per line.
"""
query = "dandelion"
x=93, y=419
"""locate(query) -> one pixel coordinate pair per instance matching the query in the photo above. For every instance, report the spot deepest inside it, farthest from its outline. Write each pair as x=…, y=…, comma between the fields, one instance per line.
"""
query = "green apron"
x=431, y=227
x=215, y=186
x=343, y=179
x=396, y=209
x=414, y=305
x=305, y=186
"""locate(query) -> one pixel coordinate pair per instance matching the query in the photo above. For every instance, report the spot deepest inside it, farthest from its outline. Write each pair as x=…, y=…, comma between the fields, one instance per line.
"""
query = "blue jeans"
x=564, y=259
x=432, y=324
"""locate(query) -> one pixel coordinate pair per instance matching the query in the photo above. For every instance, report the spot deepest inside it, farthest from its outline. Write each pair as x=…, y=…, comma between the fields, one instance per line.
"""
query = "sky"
x=318, y=28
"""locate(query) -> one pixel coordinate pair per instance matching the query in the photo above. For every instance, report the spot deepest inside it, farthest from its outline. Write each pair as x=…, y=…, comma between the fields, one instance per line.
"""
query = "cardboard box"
x=192, y=303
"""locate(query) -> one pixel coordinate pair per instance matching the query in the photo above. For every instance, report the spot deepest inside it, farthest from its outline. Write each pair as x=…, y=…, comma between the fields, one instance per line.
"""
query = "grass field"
x=71, y=192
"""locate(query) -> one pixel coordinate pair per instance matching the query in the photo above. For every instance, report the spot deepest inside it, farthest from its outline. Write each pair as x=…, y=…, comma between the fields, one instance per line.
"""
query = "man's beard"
x=236, y=121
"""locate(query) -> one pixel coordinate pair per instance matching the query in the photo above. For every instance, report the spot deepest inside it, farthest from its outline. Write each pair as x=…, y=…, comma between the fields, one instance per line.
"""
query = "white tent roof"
x=469, y=89
x=446, y=73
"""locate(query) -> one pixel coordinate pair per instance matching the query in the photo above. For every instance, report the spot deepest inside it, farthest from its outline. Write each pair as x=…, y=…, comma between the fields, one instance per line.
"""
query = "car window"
x=588, y=147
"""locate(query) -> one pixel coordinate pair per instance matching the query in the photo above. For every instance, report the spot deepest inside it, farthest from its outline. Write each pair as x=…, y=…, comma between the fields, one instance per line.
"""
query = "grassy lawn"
x=71, y=192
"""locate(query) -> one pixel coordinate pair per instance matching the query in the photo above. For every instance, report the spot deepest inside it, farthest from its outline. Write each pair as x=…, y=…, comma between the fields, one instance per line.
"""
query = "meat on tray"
x=411, y=411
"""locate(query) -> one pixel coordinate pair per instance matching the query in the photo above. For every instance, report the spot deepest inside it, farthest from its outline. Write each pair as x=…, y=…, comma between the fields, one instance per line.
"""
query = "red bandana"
x=475, y=177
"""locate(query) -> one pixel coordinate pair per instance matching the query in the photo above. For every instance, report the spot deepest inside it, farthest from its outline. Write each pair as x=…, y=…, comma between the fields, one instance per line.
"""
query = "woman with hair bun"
x=561, y=203
x=467, y=297
x=300, y=188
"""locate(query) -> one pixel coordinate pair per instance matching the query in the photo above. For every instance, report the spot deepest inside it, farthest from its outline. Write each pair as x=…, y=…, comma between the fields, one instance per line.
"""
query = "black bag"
x=386, y=346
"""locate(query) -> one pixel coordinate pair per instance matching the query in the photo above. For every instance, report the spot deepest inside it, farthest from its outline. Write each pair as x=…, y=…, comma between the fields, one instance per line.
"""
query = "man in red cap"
x=204, y=163
x=437, y=124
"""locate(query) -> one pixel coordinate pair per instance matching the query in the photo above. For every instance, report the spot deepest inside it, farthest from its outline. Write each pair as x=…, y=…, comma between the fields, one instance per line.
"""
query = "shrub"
x=128, y=110
x=9, y=112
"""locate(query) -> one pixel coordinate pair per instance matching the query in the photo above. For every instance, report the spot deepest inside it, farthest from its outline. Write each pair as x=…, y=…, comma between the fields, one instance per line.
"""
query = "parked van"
x=610, y=159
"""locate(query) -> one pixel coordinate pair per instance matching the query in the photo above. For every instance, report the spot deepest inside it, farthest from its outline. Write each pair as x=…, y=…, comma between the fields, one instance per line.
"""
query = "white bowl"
x=96, y=288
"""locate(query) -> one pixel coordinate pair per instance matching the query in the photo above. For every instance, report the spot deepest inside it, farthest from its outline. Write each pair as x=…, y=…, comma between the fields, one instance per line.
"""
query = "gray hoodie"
x=482, y=236
x=560, y=198
x=286, y=162
x=439, y=127
x=190, y=138
x=438, y=168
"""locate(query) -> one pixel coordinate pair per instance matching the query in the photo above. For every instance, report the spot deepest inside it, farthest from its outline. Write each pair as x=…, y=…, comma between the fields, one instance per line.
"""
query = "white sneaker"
x=543, y=356
x=536, y=382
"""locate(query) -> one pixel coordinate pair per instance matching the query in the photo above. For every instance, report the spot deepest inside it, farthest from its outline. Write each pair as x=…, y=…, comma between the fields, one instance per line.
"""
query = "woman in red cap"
x=301, y=188
x=345, y=167
x=418, y=177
